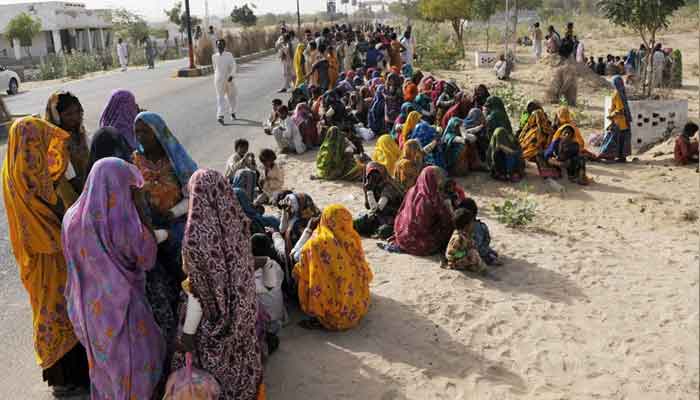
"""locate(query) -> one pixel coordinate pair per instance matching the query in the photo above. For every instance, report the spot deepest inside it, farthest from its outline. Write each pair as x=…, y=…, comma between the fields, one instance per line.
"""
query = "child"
x=462, y=253
x=686, y=149
x=273, y=177
x=287, y=133
x=268, y=283
x=240, y=159
x=272, y=119
x=481, y=236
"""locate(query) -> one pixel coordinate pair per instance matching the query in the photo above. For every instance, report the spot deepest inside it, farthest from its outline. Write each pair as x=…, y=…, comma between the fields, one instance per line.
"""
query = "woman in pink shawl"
x=119, y=113
x=423, y=225
x=305, y=120
x=108, y=251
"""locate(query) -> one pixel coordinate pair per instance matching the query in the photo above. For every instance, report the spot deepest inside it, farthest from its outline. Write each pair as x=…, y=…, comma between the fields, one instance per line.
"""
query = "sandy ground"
x=598, y=297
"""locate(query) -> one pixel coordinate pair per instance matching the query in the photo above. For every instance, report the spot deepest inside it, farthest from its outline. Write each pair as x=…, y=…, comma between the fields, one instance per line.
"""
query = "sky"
x=153, y=9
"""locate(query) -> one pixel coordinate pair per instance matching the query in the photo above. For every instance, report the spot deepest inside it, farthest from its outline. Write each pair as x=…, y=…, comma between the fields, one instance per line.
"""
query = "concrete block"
x=485, y=59
x=653, y=120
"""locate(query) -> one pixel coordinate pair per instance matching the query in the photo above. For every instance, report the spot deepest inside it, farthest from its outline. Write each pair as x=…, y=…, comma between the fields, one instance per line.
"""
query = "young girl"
x=462, y=252
x=273, y=176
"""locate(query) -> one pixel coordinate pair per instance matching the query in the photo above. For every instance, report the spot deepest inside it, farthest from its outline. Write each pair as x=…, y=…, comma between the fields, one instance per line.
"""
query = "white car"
x=9, y=80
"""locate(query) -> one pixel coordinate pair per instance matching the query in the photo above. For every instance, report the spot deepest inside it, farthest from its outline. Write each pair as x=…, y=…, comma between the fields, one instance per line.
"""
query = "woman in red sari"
x=423, y=225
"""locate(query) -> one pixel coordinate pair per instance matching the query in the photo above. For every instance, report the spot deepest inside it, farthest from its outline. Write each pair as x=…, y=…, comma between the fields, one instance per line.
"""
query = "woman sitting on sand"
x=397, y=128
x=387, y=153
x=333, y=275
x=564, y=117
x=461, y=155
x=505, y=156
x=565, y=153
x=496, y=116
x=410, y=165
x=460, y=110
x=383, y=197
x=244, y=185
x=429, y=139
x=414, y=117
x=685, y=150
x=424, y=223
x=534, y=139
x=335, y=159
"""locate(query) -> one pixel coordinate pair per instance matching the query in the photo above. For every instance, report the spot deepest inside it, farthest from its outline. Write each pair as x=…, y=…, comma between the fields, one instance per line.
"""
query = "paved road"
x=188, y=106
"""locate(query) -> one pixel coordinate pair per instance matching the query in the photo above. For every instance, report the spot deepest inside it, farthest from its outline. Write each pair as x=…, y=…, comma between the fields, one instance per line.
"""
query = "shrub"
x=515, y=103
x=518, y=211
x=436, y=52
x=53, y=68
x=79, y=64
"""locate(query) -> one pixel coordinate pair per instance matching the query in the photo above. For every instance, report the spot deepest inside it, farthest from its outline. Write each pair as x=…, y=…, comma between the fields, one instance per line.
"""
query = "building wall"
x=653, y=120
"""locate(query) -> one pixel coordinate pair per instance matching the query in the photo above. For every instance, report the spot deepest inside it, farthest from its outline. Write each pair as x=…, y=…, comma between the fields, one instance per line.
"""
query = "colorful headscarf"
x=619, y=84
x=423, y=225
x=564, y=118
x=501, y=137
x=120, y=113
x=410, y=91
x=37, y=157
x=423, y=102
x=332, y=162
x=377, y=111
x=497, y=116
x=410, y=165
x=452, y=150
x=108, y=250
x=414, y=117
x=474, y=118
x=333, y=273
x=387, y=153
x=425, y=133
x=183, y=165
x=407, y=71
x=247, y=180
x=536, y=135
x=217, y=258
x=79, y=152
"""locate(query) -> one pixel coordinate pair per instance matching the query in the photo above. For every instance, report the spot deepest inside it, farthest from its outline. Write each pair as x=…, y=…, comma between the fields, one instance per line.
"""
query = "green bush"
x=79, y=64
x=52, y=68
x=515, y=212
x=515, y=103
x=437, y=52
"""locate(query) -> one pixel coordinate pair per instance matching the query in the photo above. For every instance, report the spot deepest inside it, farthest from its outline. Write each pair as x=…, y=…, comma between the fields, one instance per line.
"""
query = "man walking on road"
x=224, y=71
x=123, y=53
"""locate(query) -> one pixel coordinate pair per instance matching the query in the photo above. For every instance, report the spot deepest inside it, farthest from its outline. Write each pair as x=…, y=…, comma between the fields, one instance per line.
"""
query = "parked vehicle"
x=9, y=80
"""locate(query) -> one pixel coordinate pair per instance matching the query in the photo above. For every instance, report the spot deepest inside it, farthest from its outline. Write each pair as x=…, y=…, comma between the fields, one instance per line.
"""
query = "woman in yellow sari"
x=299, y=64
x=34, y=168
x=387, y=153
x=414, y=117
x=410, y=165
x=564, y=118
x=536, y=135
x=333, y=274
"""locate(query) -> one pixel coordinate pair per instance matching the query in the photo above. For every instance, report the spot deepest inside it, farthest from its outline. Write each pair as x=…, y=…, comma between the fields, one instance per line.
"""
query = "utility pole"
x=298, y=19
x=189, y=33
x=507, y=36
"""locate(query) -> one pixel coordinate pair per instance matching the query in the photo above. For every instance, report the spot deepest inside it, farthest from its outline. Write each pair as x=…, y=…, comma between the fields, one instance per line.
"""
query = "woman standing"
x=65, y=111
x=333, y=274
x=617, y=144
x=221, y=280
x=34, y=167
x=109, y=250
x=120, y=112
x=423, y=225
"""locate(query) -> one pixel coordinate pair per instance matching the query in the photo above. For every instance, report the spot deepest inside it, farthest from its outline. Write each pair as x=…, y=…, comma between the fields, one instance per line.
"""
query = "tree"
x=23, y=28
x=244, y=15
x=405, y=8
x=454, y=11
x=178, y=17
x=646, y=17
x=482, y=11
x=130, y=25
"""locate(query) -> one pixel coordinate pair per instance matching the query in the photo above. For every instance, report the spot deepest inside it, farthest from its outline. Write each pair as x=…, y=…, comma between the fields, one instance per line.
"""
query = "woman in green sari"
x=496, y=117
x=335, y=160
x=505, y=156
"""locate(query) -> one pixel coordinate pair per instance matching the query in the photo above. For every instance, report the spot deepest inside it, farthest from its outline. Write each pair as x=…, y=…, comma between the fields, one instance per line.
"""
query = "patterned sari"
x=219, y=263
x=410, y=165
x=333, y=274
x=108, y=251
x=36, y=159
x=120, y=113
x=535, y=135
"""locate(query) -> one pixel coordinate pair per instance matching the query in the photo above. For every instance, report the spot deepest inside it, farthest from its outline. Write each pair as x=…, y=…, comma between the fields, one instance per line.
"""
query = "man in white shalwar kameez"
x=224, y=72
x=123, y=54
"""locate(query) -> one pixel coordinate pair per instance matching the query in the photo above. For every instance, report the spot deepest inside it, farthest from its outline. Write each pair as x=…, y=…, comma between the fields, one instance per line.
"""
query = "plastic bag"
x=191, y=384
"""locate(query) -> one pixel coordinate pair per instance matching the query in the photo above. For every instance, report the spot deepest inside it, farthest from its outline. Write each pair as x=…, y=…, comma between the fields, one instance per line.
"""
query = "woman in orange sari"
x=33, y=171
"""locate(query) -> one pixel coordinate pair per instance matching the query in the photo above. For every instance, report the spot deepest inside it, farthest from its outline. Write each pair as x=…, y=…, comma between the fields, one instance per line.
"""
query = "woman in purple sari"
x=108, y=251
x=119, y=113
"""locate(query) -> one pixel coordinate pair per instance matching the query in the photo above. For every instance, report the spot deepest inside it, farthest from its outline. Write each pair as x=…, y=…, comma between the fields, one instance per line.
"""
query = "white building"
x=65, y=26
